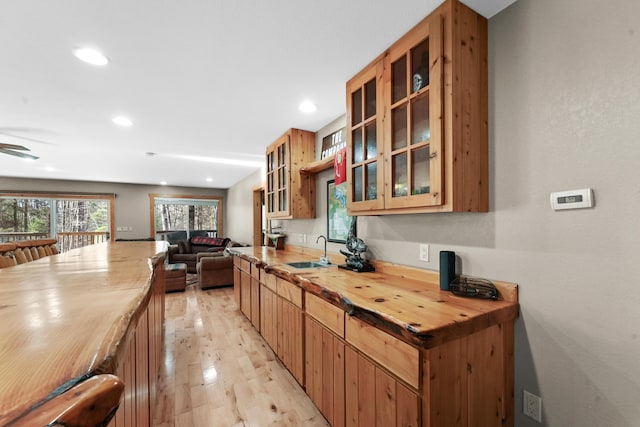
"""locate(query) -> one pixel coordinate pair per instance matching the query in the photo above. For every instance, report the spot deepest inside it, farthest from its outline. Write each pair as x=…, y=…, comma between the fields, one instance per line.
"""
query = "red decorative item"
x=340, y=166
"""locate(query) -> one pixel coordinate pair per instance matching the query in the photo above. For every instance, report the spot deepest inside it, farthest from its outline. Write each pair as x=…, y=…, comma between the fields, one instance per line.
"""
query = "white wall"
x=564, y=108
x=132, y=200
x=240, y=208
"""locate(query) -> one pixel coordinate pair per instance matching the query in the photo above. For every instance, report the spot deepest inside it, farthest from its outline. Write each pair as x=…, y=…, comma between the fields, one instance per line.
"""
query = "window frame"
x=152, y=208
x=110, y=198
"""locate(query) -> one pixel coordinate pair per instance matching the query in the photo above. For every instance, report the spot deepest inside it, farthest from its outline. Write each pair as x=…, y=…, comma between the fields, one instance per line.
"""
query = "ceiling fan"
x=16, y=150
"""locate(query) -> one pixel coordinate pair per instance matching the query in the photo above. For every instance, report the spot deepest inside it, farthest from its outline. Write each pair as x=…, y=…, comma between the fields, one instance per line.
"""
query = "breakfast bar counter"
x=70, y=317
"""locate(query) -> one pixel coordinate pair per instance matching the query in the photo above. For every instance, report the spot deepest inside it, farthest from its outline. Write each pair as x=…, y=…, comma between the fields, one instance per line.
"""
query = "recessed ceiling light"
x=163, y=182
x=49, y=169
x=91, y=56
x=307, y=107
x=209, y=180
x=122, y=121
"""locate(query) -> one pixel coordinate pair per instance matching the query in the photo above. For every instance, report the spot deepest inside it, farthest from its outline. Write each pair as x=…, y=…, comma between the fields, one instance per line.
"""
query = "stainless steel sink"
x=307, y=264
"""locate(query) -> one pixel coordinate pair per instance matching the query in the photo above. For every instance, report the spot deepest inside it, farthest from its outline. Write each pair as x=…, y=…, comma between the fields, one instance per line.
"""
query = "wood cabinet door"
x=290, y=338
x=278, y=170
x=374, y=397
x=324, y=375
x=245, y=294
x=413, y=138
x=255, y=303
x=236, y=285
x=268, y=316
x=365, y=161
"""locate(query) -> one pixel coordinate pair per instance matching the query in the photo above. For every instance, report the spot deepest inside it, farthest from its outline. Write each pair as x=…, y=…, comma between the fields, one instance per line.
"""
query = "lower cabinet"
x=281, y=325
x=324, y=379
x=268, y=317
x=290, y=337
x=373, y=397
x=245, y=294
x=359, y=375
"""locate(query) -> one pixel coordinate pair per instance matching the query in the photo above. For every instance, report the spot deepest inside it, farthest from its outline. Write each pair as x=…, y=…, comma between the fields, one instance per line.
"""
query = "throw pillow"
x=184, y=247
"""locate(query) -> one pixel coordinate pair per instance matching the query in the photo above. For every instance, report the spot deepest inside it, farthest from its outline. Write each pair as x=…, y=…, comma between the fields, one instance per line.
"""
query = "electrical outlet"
x=424, y=252
x=532, y=406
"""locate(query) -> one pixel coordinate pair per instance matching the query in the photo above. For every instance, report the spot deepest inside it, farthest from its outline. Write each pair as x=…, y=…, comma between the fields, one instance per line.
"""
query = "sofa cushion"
x=209, y=241
x=184, y=247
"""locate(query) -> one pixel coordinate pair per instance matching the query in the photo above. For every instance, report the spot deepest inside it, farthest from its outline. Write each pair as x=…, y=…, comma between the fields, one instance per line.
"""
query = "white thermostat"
x=573, y=199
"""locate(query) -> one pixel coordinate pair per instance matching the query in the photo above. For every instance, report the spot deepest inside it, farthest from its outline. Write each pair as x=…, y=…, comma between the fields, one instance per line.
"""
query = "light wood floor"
x=218, y=372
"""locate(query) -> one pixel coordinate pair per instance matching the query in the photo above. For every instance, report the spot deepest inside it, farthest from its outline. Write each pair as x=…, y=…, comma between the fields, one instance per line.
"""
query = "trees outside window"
x=186, y=215
x=35, y=216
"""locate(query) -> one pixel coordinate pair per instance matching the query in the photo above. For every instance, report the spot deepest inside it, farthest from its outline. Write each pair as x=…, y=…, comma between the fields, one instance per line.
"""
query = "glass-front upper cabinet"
x=413, y=128
x=288, y=193
x=418, y=120
x=277, y=178
x=364, y=140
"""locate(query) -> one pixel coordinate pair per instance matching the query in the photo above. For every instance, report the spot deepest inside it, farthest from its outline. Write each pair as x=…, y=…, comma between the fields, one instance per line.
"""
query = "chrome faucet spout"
x=324, y=259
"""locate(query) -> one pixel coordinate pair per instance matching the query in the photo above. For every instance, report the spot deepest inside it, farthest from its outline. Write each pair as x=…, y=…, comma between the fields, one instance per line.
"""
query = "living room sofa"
x=186, y=251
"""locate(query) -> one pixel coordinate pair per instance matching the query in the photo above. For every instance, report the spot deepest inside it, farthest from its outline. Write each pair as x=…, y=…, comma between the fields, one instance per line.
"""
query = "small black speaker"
x=447, y=268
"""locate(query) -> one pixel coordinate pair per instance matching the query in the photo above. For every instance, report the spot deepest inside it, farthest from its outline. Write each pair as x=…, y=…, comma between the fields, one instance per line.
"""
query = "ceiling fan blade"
x=18, y=154
x=26, y=138
x=14, y=147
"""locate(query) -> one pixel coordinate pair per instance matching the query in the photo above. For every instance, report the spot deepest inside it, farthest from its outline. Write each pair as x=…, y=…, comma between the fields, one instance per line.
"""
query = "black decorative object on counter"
x=355, y=246
x=474, y=287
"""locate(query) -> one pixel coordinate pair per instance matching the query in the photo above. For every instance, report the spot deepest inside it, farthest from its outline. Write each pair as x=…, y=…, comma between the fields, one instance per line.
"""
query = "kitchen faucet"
x=324, y=259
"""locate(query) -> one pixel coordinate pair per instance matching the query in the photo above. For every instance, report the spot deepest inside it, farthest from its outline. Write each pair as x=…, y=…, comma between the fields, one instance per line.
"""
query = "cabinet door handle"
x=433, y=155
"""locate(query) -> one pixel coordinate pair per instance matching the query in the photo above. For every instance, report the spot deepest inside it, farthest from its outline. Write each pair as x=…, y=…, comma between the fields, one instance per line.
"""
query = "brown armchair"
x=215, y=269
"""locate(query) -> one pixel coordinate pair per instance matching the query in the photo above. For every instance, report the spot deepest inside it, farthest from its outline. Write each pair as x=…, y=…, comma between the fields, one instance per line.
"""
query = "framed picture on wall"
x=337, y=219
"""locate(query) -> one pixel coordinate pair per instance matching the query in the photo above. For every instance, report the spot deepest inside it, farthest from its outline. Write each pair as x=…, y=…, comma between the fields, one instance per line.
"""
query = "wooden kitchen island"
x=387, y=348
x=82, y=333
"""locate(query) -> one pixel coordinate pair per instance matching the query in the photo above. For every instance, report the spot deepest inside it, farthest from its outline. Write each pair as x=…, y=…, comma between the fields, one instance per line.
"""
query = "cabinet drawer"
x=328, y=314
x=290, y=292
x=256, y=272
x=395, y=355
x=269, y=281
x=237, y=261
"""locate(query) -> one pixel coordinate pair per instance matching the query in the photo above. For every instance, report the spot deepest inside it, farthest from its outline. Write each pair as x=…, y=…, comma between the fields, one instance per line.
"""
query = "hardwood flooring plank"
x=217, y=370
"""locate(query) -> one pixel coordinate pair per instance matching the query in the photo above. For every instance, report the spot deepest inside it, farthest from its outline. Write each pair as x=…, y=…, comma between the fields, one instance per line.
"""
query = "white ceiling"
x=206, y=78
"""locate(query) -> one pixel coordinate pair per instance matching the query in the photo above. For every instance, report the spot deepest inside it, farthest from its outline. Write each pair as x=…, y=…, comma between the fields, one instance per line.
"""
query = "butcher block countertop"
x=64, y=318
x=406, y=302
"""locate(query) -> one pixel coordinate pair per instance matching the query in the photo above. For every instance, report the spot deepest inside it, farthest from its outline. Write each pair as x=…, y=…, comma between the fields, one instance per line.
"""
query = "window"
x=180, y=217
x=75, y=220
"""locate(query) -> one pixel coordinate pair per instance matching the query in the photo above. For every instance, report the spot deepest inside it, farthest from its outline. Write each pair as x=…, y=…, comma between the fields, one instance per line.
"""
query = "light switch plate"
x=424, y=252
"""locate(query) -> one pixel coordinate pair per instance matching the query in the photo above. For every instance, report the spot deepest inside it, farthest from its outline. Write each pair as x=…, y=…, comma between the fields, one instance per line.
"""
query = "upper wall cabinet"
x=289, y=194
x=417, y=120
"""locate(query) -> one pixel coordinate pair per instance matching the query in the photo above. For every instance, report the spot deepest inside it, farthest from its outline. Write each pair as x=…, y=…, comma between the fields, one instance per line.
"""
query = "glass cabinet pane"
x=270, y=163
x=420, y=66
x=400, y=181
x=420, y=130
x=357, y=184
x=399, y=130
x=370, y=99
x=371, y=181
x=357, y=146
x=356, y=107
x=372, y=149
x=420, y=170
x=399, y=80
